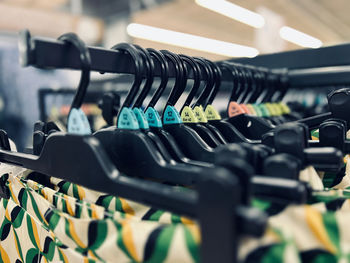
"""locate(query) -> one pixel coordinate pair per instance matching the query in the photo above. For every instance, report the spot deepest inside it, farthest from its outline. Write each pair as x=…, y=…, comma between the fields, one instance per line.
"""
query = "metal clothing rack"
x=50, y=53
x=302, y=58
x=305, y=67
x=308, y=67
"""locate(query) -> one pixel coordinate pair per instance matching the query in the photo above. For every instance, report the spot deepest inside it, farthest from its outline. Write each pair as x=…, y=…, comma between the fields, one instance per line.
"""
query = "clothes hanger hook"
x=149, y=65
x=209, y=84
x=234, y=74
x=217, y=80
x=77, y=121
x=164, y=76
x=196, y=77
x=179, y=76
x=73, y=39
x=138, y=66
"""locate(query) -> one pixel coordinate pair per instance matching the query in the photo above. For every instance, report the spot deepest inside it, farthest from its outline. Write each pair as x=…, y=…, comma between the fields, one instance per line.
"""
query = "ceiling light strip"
x=190, y=41
x=233, y=11
x=299, y=38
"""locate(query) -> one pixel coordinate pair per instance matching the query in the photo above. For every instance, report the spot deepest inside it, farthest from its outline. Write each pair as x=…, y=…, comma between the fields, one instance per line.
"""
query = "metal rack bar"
x=326, y=76
x=306, y=67
x=49, y=53
x=302, y=58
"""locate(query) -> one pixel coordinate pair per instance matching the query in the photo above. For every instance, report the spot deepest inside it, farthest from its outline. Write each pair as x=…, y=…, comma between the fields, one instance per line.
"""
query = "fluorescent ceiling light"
x=190, y=41
x=299, y=38
x=233, y=11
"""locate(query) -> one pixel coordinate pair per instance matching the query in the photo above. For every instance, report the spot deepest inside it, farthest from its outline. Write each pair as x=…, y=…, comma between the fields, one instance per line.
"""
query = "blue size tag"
x=153, y=118
x=171, y=116
x=127, y=120
x=78, y=122
x=141, y=118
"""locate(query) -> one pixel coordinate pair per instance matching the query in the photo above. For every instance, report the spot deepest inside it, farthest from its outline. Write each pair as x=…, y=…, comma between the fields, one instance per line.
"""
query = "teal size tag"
x=257, y=110
x=127, y=120
x=265, y=112
x=141, y=118
x=171, y=116
x=153, y=118
x=78, y=122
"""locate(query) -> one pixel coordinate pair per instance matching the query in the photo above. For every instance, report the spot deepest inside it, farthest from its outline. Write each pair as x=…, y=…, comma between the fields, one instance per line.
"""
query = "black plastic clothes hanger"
x=272, y=190
x=140, y=116
x=132, y=151
x=154, y=119
x=251, y=127
x=77, y=120
x=126, y=124
x=252, y=81
x=82, y=160
x=50, y=129
x=184, y=136
x=210, y=112
x=200, y=104
x=198, y=123
x=192, y=145
x=230, y=132
x=339, y=106
x=292, y=153
x=332, y=133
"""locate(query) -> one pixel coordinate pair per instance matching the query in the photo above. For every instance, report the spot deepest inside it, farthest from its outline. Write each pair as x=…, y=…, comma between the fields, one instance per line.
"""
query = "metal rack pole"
x=302, y=58
x=49, y=53
x=311, y=63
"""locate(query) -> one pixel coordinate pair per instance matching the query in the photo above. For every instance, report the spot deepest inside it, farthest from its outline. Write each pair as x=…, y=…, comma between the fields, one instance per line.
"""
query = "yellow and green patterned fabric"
x=302, y=234
x=39, y=223
x=70, y=223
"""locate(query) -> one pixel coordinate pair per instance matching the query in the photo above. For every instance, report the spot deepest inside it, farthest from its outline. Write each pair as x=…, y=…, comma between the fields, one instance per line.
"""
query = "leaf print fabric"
x=52, y=226
x=70, y=223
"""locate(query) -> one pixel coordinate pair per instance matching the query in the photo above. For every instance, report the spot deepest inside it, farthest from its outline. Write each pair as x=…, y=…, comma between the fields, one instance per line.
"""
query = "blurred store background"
x=265, y=25
x=215, y=29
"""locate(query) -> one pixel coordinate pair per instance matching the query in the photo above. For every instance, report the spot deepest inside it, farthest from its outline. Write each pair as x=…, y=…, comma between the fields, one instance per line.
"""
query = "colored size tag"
x=141, y=118
x=78, y=122
x=257, y=110
x=153, y=118
x=127, y=120
x=234, y=109
x=171, y=116
x=270, y=108
x=200, y=115
x=244, y=108
x=188, y=116
x=278, y=109
x=285, y=108
x=251, y=109
x=264, y=110
x=211, y=113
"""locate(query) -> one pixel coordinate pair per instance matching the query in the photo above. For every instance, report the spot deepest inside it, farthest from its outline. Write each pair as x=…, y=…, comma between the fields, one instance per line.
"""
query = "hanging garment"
x=74, y=224
x=38, y=222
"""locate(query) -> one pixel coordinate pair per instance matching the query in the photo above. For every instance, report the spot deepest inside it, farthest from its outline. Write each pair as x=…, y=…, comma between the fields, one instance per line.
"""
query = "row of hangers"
x=225, y=162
